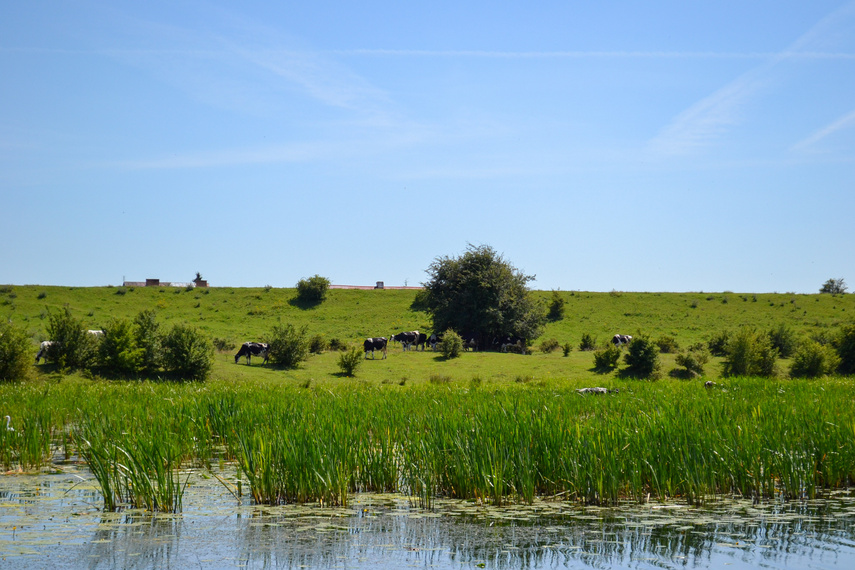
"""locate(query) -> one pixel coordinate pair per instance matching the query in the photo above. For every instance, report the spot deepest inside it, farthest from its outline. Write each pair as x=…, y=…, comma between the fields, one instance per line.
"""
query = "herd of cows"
x=408, y=340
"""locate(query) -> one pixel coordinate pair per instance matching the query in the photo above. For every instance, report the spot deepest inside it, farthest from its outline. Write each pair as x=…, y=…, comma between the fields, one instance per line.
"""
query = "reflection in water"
x=55, y=520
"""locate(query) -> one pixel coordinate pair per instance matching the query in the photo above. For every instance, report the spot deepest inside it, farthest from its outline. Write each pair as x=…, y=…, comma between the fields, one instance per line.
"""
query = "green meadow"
x=349, y=316
x=488, y=427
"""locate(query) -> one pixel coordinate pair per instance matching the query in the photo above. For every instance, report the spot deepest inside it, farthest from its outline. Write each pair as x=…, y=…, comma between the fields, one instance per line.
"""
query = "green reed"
x=510, y=443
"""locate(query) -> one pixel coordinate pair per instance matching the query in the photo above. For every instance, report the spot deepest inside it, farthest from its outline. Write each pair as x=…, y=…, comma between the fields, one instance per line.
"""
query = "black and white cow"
x=509, y=344
x=421, y=340
x=406, y=338
x=620, y=339
x=434, y=340
x=44, y=349
x=250, y=349
x=470, y=341
x=372, y=344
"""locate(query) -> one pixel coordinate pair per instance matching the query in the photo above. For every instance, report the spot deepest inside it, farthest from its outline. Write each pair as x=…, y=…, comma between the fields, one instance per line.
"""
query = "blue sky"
x=634, y=146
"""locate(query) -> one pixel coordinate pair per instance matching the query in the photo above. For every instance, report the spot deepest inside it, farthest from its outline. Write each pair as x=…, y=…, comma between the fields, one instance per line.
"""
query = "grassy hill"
x=241, y=314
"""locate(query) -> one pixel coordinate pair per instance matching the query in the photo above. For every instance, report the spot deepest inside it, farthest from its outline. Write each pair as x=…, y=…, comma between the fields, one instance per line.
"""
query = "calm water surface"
x=55, y=521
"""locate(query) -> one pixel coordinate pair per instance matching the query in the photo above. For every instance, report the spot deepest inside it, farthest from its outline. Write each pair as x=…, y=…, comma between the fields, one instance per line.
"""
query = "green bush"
x=642, y=359
x=844, y=343
x=567, y=349
x=750, y=353
x=667, y=344
x=15, y=353
x=118, y=352
x=549, y=345
x=224, y=344
x=718, y=343
x=349, y=361
x=337, y=344
x=607, y=358
x=784, y=340
x=149, y=341
x=588, y=342
x=313, y=290
x=813, y=359
x=187, y=353
x=73, y=347
x=317, y=344
x=451, y=345
x=694, y=359
x=288, y=345
x=556, y=307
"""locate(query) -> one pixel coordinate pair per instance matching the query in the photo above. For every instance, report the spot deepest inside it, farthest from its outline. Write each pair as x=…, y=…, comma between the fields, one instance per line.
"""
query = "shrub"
x=549, y=345
x=288, y=345
x=694, y=359
x=149, y=341
x=349, y=361
x=15, y=353
x=784, y=340
x=118, y=352
x=73, y=347
x=844, y=343
x=642, y=359
x=588, y=342
x=224, y=344
x=451, y=345
x=336, y=344
x=750, y=353
x=813, y=359
x=606, y=358
x=187, y=353
x=317, y=344
x=567, y=349
x=718, y=343
x=313, y=290
x=556, y=307
x=667, y=344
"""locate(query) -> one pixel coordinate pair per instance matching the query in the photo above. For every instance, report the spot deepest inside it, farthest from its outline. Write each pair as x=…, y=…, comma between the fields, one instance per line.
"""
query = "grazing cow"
x=434, y=340
x=620, y=339
x=406, y=338
x=596, y=391
x=470, y=341
x=509, y=343
x=421, y=340
x=44, y=349
x=372, y=344
x=250, y=349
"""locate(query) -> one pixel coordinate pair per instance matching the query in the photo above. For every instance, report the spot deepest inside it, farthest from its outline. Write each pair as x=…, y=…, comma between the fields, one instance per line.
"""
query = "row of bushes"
x=747, y=352
x=126, y=348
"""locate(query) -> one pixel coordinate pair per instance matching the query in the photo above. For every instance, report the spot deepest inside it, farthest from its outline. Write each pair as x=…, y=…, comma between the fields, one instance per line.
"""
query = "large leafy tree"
x=481, y=295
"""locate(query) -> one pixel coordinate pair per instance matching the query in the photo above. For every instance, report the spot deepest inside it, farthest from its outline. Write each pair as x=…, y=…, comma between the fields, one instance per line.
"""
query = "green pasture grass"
x=248, y=314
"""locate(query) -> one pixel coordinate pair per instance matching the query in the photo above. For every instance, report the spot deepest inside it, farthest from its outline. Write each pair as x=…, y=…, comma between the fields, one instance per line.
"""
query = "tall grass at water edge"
x=753, y=437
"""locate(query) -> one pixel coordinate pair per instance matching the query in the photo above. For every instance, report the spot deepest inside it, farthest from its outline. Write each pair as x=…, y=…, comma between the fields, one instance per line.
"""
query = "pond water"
x=55, y=520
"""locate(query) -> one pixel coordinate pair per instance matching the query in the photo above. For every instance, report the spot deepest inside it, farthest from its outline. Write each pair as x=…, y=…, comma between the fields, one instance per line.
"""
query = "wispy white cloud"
x=487, y=54
x=708, y=119
x=844, y=122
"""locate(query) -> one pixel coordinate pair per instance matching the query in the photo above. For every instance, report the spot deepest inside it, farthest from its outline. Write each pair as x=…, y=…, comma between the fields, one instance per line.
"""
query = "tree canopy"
x=834, y=286
x=483, y=296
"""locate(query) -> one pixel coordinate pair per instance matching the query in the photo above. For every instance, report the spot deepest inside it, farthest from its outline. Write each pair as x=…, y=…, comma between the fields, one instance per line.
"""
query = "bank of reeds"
x=650, y=441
